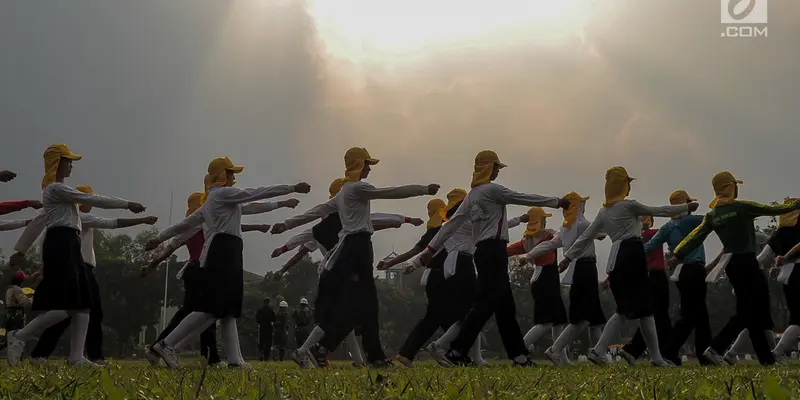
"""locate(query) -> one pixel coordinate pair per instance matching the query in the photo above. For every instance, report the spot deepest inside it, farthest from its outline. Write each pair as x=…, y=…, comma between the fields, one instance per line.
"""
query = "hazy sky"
x=149, y=91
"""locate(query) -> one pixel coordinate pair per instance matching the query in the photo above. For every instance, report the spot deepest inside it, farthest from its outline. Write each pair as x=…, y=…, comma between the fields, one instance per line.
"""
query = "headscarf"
x=535, y=217
x=724, y=188
x=195, y=202
x=618, y=184
x=335, y=187
x=791, y=218
x=218, y=168
x=208, y=181
x=484, y=165
x=52, y=158
x=455, y=196
x=575, y=210
x=435, y=220
x=354, y=161
x=679, y=197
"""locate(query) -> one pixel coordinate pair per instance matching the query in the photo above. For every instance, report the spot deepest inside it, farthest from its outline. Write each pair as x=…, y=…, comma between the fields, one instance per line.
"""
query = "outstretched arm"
x=296, y=258
x=367, y=191
x=7, y=207
x=66, y=193
x=760, y=210
x=585, y=239
x=13, y=224
x=313, y=214
x=267, y=206
x=193, y=221
x=382, y=221
x=544, y=248
x=658, y=240
x=504, y=195
x=640, y=209
x=263, y=228
x=232, y=195
x=696, y=238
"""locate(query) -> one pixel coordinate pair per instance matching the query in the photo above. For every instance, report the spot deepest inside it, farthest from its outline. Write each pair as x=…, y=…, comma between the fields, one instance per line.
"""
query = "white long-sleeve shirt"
x=306, y=238
x=461, y=241
x=485, y=207
x=620, y=221
x=13, y=224
x=60, y=205
x=558, y=242
x=89, y=222
x=352, y=203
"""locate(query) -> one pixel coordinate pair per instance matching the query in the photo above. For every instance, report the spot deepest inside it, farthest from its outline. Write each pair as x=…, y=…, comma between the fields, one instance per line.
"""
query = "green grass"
x=132, y=379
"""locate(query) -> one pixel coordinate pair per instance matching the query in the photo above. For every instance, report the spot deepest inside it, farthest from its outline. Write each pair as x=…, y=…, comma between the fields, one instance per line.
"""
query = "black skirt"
x=322, y=304
x=193, y=285
x=224, y=274
x=584, y=295
x=629, y=281
x=65, y=279
x=461, y=289
x=548, y=306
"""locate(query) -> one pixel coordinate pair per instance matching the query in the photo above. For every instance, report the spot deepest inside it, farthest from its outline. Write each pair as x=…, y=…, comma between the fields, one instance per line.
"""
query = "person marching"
x=732, y=220
x=690, y=280
x=627, y=263
x=89, y=223
x=302, y=320
x=659, y=294
x=65, y=290
x=221, y=260
x=281, y=328
x=264, y=318
x=581, y=275
x=485, y=206
x=350, y=264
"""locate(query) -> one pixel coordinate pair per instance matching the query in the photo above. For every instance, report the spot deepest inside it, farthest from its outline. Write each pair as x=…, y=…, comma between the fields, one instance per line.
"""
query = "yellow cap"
x=724, y=189
x=484, y=165
x=218, y=168
x=535, y=217
x=335, y=187
x=454, y=197
x=435, y=206
x=790, y=219
x=618, y=184
x=195, y=202
x=354, y=161
x=571, y=213
x=680, y=197
x=52, y=158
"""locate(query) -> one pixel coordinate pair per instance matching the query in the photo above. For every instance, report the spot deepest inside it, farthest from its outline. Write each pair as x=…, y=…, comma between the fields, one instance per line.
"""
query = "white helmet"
x=303, y=301
x=284, y=304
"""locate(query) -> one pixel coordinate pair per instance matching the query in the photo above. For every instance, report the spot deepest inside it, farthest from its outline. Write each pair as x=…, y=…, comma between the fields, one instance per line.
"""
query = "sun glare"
x=396, y=27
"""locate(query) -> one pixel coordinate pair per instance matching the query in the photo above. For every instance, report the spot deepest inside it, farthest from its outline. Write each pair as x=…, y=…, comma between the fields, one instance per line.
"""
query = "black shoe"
x=456, y=360
x=381, y=364
x=675, y=361
x=528, y=363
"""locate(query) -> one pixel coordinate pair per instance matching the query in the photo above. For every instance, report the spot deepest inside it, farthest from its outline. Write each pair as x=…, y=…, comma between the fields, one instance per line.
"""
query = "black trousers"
x=94, y=336
x=436, y=315
x=356, y=299
x=694, y=313
x=659, y=298
x=208, y=339
x=494, y=298
x=752, y=307
x=265, y=341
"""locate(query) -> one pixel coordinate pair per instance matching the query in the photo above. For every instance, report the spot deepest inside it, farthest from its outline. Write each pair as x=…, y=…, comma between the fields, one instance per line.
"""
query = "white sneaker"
x=480, y=363
x=662, y=363
x=438, y=354
x=152, y=357
x=38, y=361
x=555, y=358
x=628, y=357
x=713, y=357
x=730, y=358
x=15, y=348
x=84, y=363
x=596, y=358
x=167, y=354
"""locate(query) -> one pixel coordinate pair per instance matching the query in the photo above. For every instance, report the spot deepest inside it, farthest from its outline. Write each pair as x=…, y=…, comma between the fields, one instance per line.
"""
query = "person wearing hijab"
x=280, y=327
x=354, y=297
x=221, y=259
x=659, y=294
x=324, y=236
x=549, y=313
x=732, y=221
x=581, y=275
x=461, y=283
x=690, y=279
x=65, y=290
x=485, y=206
x=619, y=218
x=89, y=223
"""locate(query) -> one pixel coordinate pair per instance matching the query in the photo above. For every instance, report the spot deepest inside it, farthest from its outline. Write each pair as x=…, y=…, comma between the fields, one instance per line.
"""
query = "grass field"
x=137, y=380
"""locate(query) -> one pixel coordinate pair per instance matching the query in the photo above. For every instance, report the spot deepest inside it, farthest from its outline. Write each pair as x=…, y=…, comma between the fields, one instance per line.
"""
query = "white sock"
x=78, y=327
x=788, y=340
x=740, y=343
x=535, y=333
x=556, y=332
x=313, y=338
x=39, y=324
x=650, y=335
x=594, y=334
x=475, y=350
x=195, y=336
x=568, y=336
x=190, y=325
x=230, y=341
x=612, y=329
x=448, y=337
x=355, y=348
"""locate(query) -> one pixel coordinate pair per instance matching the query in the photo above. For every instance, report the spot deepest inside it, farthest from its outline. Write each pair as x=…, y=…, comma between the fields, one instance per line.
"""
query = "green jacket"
x=733, y=224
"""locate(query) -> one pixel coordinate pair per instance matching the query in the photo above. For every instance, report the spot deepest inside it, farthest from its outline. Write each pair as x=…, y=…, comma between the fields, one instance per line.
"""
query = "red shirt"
x=655, y=258
x=7, y=207
x=518, y=249
x=195, y=246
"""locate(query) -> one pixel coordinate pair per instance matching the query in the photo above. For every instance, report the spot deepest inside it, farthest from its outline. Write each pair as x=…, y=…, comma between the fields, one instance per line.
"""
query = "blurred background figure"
x=265, y=317
x=281, y=329
x=302, y=322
